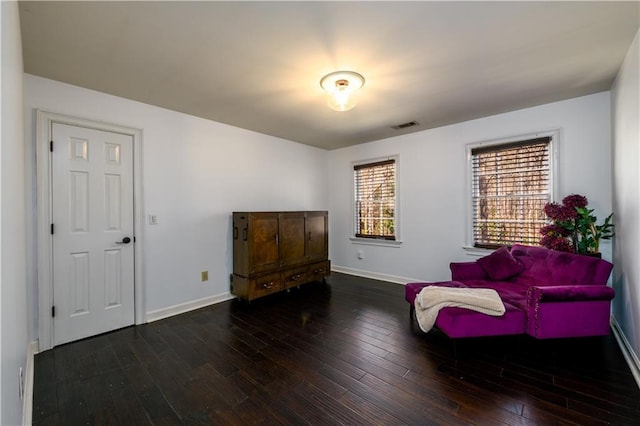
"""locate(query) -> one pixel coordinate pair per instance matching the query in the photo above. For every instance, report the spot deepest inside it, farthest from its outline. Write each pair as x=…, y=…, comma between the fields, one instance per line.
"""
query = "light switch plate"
x=153, y=219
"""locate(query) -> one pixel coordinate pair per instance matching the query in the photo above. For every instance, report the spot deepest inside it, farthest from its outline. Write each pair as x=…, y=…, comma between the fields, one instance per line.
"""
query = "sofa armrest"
x=568, y=311
x=462, y=271
x=568, y=293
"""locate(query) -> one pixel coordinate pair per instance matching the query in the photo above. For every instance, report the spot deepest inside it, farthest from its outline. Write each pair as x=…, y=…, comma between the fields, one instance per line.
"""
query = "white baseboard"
x=374, y=275
x=629, y=355
x=188, y=306
x=27, y=397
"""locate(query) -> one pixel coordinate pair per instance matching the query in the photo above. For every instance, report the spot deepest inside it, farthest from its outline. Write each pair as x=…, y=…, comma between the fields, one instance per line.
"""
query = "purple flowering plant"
x=573, y=226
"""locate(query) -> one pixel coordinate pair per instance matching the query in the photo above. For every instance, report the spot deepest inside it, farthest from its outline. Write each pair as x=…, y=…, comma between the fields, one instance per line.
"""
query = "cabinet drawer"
x=294, y=277
x=318, y=271
x=266, y=284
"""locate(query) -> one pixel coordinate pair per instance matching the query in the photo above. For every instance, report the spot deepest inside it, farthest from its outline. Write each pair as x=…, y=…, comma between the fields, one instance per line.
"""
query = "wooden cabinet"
x=274, y=251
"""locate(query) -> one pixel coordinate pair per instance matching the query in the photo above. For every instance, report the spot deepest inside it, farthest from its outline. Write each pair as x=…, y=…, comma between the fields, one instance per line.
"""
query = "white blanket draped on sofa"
x=433, y=298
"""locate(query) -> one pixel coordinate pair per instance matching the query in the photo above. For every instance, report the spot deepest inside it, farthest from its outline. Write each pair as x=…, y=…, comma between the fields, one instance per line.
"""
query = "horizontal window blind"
x=510, y=186
x=375, y=199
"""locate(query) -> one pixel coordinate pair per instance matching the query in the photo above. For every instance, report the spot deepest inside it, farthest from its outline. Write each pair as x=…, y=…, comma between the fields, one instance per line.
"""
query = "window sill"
x=376, y=242
x=477, y=252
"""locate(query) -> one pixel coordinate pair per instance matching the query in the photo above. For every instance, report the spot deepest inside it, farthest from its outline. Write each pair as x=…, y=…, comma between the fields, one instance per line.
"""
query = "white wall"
x=432, y=172
x=195, y=173
x=13, y=290
x=626, y=187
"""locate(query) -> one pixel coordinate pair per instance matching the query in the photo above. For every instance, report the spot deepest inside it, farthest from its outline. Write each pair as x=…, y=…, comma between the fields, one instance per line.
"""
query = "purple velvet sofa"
x=546, y=293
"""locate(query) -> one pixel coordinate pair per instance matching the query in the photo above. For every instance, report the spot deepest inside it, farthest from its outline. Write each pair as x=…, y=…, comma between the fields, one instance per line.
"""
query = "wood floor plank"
x=369, y=411
x=344, y=352
x=327, y=409
x=271, y=397
x=130, y=410
x=329, y=357
x=157, y=407
x=225, y=387
x=400, y=406
x=306, y=367
x=468, y=393
x=45, y=401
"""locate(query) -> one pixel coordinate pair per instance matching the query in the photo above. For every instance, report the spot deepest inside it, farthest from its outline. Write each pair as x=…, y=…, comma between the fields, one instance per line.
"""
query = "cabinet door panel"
x=317, y=235
x=263, y=239
x=292, y=238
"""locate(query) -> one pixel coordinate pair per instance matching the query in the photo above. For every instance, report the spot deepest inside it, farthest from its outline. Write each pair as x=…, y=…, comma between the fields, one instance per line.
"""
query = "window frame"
x=373, y=240
x=554, y=142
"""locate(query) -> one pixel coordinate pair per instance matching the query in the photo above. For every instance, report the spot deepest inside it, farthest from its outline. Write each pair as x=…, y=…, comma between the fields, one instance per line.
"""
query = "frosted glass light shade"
x=341, y=99
x=341, y=87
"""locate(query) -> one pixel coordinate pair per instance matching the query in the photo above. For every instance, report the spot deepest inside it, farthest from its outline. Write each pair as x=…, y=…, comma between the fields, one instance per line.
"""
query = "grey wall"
x=13, y=290
x=625, y=96
x=432, y=169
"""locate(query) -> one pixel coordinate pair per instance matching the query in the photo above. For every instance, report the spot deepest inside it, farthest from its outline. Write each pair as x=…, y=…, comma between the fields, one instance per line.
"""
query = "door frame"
x=44, y=122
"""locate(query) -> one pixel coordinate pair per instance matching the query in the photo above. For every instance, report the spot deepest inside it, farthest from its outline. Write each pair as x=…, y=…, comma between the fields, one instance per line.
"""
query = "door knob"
x=125, y=240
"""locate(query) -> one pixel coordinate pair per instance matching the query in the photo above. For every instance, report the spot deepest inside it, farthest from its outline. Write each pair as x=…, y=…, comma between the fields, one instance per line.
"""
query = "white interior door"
x=92, y=215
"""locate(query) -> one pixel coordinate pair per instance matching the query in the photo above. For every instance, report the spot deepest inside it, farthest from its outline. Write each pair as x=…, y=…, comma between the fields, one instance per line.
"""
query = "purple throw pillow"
x=500, y=265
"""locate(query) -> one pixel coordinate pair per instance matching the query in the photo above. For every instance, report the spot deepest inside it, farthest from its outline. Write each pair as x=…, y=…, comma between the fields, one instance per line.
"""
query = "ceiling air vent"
x=405, y=125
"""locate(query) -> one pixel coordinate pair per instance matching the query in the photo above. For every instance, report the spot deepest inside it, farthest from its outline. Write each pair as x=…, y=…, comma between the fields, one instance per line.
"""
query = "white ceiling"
x=257, y=65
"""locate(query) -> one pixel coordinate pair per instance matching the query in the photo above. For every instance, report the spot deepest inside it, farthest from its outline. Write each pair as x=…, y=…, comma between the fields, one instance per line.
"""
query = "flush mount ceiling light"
x=341, y=86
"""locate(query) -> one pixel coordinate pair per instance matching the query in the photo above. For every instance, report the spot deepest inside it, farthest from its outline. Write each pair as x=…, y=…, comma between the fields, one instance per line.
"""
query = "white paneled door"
x=92, y=215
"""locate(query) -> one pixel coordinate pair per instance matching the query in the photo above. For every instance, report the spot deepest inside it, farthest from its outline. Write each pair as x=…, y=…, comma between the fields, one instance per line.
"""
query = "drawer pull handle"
x=268, y=285
x=295, y=277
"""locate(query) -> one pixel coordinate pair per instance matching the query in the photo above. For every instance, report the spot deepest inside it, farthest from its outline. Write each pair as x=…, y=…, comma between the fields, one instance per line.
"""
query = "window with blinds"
x=375, y=200
x=511, y=183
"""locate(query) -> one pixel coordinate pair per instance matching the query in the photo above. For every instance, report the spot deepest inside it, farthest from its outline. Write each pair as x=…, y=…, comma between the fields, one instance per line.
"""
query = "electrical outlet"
x=21, y=383
x=360, y=254
x=204, y=275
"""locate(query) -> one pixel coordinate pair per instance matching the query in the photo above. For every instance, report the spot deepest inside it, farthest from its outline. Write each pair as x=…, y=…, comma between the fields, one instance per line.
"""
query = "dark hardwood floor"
x=340, y=353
